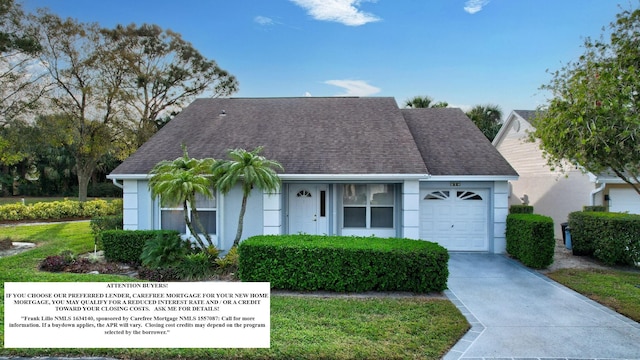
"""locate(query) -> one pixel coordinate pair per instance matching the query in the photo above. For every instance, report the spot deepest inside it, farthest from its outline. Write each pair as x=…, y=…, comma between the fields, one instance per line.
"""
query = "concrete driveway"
x=518, y=313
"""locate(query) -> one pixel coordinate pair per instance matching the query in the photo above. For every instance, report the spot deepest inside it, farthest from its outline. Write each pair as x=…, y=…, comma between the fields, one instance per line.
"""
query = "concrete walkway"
x=518, y=313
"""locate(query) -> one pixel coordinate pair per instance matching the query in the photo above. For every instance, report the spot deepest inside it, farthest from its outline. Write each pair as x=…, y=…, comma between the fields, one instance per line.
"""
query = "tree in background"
x=163, y=73
x=424, y=102
x=177, y=182
x=253, y=171
x=488, y=118
x=592, y=119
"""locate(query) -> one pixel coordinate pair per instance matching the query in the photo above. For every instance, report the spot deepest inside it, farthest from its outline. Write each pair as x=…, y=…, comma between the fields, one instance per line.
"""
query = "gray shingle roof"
x=452, y=145
x=333, y=135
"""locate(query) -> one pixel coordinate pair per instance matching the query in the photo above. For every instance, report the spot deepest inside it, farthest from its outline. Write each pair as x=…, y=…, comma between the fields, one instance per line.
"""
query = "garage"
x=455, y=218
x=624, y=200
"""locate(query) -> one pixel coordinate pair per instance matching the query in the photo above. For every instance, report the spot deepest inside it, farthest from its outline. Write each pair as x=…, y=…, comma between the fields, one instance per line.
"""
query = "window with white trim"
x=172, y=218
x=368, y=205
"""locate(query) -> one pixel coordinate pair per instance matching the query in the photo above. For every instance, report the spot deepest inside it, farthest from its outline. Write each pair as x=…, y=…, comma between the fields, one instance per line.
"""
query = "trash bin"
x=563, y=226
x=567, y=235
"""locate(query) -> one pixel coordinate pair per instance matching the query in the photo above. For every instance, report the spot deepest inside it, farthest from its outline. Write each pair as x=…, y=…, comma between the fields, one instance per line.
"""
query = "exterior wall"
x=229, y=208
x=273, y=214
x=551, y=193
x=130, y=205
x=146, y=206
x=630, y=203
x=411, y=209
x=499, y=218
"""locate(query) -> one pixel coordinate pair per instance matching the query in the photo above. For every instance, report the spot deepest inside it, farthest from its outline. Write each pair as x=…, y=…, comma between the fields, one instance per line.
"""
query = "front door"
x=307, y=209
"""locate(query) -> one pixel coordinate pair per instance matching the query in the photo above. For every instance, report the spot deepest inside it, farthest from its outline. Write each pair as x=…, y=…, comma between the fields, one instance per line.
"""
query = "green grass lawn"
x=615, y=289
x=301, y=327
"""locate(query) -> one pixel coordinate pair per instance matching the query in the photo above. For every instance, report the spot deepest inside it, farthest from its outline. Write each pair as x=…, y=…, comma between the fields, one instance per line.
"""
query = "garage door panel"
x=458, y=220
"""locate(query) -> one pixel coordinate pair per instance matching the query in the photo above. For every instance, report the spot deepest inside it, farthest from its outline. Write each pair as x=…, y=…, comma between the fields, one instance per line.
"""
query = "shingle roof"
x=333, y=135
x=452, y=145
x=528, y=115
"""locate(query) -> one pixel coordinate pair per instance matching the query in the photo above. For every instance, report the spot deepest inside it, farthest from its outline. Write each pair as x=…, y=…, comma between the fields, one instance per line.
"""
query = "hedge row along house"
x=356, y=166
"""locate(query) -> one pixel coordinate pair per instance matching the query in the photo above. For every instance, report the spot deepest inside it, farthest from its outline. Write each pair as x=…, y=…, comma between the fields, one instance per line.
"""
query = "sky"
x=464, y=52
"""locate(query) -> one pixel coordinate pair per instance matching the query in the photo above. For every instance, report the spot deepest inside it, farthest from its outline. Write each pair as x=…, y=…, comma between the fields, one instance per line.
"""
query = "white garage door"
x=455, y=218
x=623, y=200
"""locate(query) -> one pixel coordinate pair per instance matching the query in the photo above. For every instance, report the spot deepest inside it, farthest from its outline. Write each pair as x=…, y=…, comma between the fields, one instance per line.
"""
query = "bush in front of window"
x=344, y=264
x=164, y=251
x=530, y=239
x=126, y=245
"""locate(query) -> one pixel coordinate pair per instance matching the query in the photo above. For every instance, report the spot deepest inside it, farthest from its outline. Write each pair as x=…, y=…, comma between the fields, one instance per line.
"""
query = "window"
x=368, y=205
x=172, y=217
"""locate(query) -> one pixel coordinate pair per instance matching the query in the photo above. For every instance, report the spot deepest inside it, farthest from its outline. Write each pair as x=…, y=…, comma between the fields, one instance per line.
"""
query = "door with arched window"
x=307, y=213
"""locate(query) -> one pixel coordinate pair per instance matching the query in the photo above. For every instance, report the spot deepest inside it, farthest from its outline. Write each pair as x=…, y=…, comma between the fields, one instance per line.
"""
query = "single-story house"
x=352, y=166
x=552, y=192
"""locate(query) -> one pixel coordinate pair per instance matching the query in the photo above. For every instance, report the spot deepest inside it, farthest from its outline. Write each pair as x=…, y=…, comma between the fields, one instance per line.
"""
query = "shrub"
x=229, y=263
x=68, y=256
x=164, y=251
x=344, y=264
x=101, y=223
x=521, y=209
x=194, y=267
x=595, y=208
x=126, y=245
x=56, y=210
x=530, y=239
x=613, y=238
x=53, y=263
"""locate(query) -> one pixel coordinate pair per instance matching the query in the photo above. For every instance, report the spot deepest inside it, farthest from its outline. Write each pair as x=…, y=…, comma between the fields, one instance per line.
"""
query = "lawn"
x=616, y=289
x=301, y=327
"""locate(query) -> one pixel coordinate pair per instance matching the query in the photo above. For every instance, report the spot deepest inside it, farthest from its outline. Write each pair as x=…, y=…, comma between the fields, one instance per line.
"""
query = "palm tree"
x=252, y=170
x=424, y=102
x=487, y=118
x=178, y=182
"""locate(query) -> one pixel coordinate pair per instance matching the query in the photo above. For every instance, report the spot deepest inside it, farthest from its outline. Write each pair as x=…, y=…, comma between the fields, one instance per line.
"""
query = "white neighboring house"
x=553, y=193
x=352, y=166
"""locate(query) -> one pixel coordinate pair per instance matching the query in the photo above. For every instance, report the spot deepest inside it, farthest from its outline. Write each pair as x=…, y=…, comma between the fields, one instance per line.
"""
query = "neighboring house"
x=552, y=192
x=352, y=166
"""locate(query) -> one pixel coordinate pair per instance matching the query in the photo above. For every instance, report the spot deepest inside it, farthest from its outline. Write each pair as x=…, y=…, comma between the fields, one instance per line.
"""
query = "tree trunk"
x=243, y=208
x=84, y=175
x=190, y=226
x=196, y=219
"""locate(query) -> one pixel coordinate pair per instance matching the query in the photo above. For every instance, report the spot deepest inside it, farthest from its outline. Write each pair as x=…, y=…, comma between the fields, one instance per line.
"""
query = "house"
x=352, y=166
x=552, y=192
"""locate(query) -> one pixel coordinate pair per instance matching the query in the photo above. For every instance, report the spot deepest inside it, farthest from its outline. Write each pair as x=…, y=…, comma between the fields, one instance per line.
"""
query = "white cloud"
x=307, y=94
x=342, y=11
x=263, y=20
x=473, y=6
x=354, y=87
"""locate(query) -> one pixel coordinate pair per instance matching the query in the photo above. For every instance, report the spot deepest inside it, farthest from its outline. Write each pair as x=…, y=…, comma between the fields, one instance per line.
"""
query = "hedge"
x=613, y=238
x=521, y=209
x=126, y=245
x=530, y=239
x=343, y=264
x=55, y=210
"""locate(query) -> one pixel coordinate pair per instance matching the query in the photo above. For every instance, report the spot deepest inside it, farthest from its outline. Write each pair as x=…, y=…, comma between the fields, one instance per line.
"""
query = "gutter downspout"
x=594, y=192
x=116, y=183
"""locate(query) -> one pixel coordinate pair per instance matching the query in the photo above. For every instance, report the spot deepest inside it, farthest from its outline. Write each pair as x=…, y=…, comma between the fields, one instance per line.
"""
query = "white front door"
x=455, y=218
x=307, y=209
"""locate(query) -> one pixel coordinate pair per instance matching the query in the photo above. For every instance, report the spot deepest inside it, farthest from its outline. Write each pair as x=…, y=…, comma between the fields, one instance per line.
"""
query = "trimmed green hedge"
x=613, y=238
x=520, y=209
x=596, y=208
x=530, y=239
x=344, y=264
x=126, y=245
x=55, y=210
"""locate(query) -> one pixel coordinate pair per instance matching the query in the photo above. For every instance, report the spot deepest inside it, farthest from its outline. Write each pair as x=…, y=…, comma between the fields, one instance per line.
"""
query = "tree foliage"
x=487, y=118
x=424, y=102
x=253, y=171
x=592, y=118
x=177, y=182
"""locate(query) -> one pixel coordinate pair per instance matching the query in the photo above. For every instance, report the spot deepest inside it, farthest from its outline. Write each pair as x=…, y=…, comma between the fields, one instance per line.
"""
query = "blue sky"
x=465, y=52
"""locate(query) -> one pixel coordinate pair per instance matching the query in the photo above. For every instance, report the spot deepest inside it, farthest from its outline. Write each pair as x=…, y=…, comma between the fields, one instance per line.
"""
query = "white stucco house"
x=352, y=166
x=552, y=192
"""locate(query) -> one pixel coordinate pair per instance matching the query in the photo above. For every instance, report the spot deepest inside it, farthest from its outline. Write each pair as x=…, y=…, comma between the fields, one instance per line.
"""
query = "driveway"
x=518, y=313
